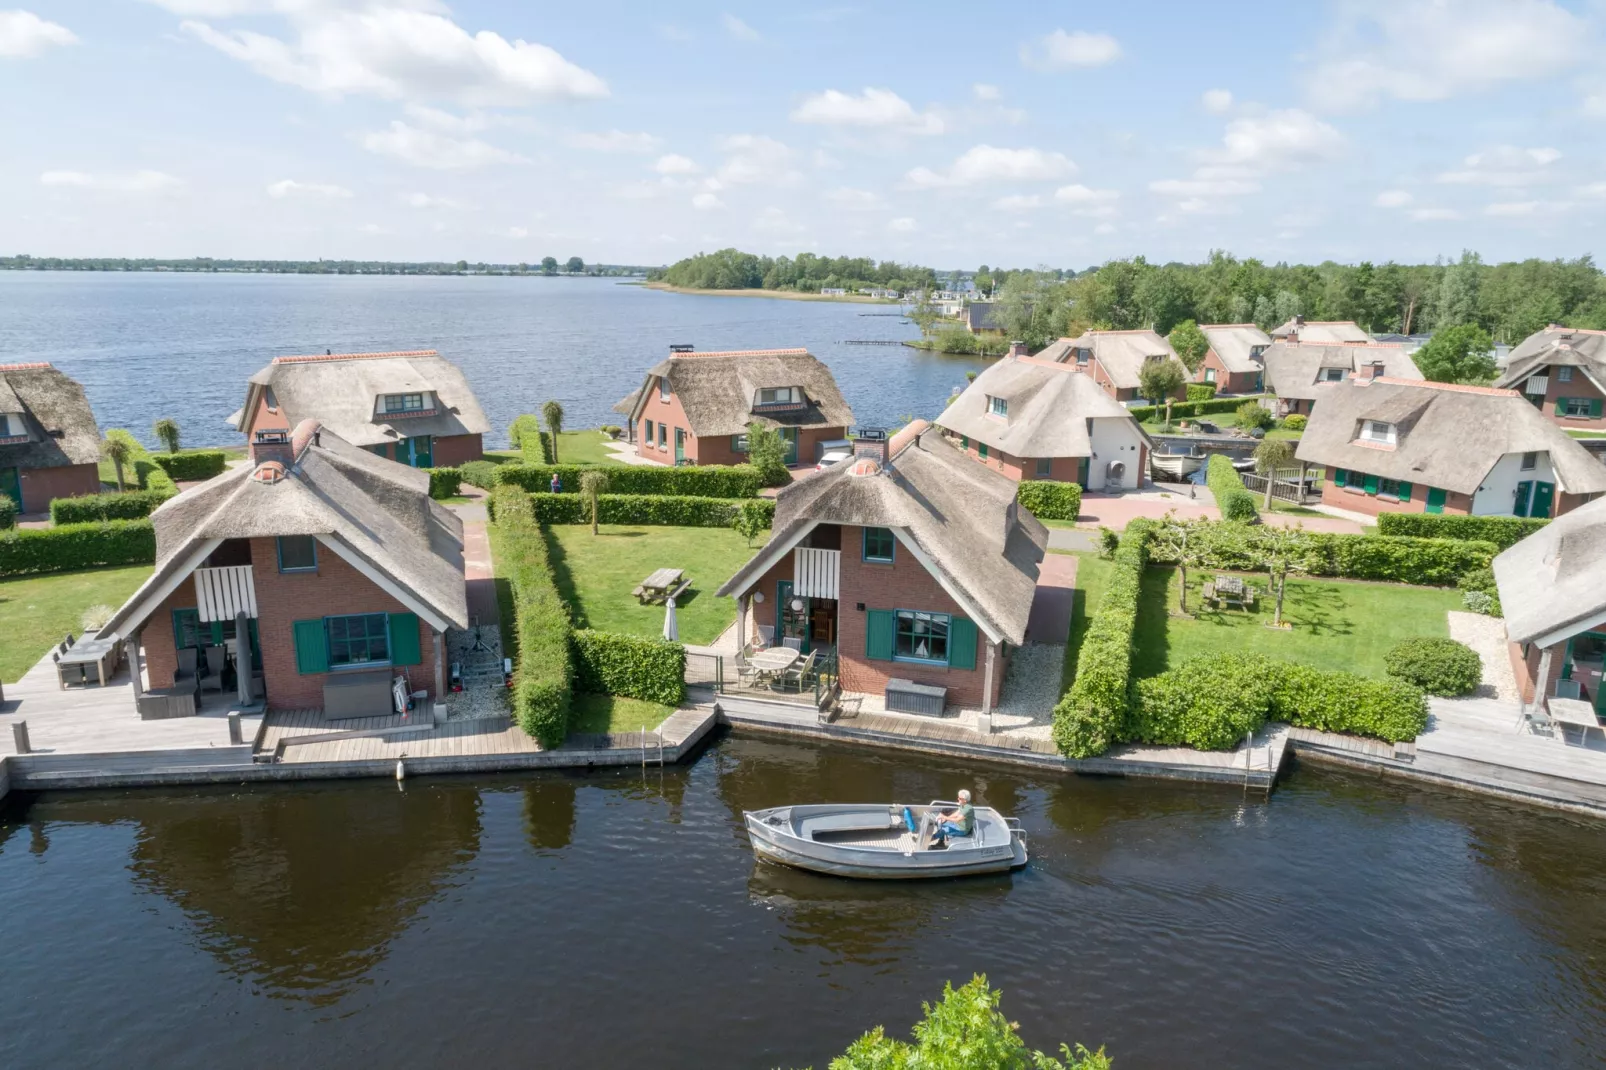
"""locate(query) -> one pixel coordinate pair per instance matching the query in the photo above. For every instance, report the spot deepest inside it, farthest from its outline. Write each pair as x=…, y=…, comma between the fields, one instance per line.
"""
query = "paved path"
x=1072, y=539
x=1115, y=510
x=1050, y=619
x=1325, y=524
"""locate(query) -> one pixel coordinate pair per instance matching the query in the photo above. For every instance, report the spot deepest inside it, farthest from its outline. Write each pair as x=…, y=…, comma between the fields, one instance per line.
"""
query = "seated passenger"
x=959, y=822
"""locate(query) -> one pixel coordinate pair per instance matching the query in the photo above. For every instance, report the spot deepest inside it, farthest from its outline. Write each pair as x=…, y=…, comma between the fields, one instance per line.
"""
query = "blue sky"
x=948, y=134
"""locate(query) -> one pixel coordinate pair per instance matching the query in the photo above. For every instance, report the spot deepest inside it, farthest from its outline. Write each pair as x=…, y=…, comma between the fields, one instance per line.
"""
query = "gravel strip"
x=1487, y=635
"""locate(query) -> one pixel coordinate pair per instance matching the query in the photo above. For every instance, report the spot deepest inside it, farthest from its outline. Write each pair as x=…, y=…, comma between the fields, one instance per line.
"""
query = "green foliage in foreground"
x=963, y=1031
x=766, y=451
x=1461, y=354
x=632, y=666
x=1437, y=666
x=75, y=546
x=541, y=676
x=1227, y=487
x=1048, y=500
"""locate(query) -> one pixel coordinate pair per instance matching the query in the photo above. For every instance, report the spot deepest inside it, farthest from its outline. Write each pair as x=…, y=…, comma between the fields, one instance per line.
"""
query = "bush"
x=481, y=474
x=1296, y=422
x=701, y=481
x=542, y=675
x=1479, y=592
x=1396, y=559
x=634, y=666
x=1482, y=602
x=1091, y=715
x=1251, y=415
x=1048, y=500
x=129, y=505
x=1503, y=531
x=1201, y=391
x=76, y=546
x=1227, y=487
x=1338, y=701
x=192, y=467
x=526, y=436
x=1109, y=542
x=660, y=509
x=1188, y=409
x=611, y=430
x=444, y=482
x=1437, y=666
x=8, y=512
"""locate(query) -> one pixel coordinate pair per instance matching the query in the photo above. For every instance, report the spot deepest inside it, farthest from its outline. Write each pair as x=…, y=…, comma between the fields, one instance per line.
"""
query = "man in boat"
x=960, y=821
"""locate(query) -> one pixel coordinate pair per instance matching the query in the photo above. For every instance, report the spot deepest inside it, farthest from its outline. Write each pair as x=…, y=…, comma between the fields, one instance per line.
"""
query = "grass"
x=1092, y=574
x=1578, y=432
x=1337, y=624
x=574, y=447
x=610, y=713
x=596, y=573
x=38, y=611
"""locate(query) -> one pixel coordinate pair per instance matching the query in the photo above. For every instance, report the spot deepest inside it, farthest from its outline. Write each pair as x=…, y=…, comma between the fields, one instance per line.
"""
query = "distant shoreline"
x=785, y=295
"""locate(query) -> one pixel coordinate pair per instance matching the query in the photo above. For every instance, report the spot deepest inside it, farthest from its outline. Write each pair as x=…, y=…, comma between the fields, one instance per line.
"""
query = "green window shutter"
x=961, y=643
x=186, y=627
x=1405, y=492
x=1371, y=484
x=878, y=634
x=312, y=647
x=1338, y=477
x=981, y=450
x=1594, y=408
x=1561, y=406
x=964, y=442
x=404, y=646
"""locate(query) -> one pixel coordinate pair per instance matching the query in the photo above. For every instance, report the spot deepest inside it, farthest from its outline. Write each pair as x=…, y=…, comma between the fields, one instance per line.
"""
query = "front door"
x=1082, y=468
x=1543, y=494
x=1435, y=500
x=11, y=485
x=418, y=452
x=790, y=621
x=1525, y=492
x=680, y=445
x=790, y=434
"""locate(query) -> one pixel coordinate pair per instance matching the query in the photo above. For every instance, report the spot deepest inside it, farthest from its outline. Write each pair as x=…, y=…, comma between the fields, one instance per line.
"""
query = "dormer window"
x=1083, y=356
x=1383, y=434
x=1153, y=357
x=1256, y=351
x=997, y=407
x=780, y=395
x=1332, y=375
x=12, y=425
x=663, y=389
x=403, y=403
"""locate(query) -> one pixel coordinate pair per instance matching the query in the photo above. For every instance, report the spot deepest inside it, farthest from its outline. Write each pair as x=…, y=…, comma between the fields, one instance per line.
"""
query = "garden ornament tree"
x=167, y=433
x=1271, y=455
x=118, y=447
x=593, y=484
x=552, y=412
x=1188, y=542
x=1280, y=551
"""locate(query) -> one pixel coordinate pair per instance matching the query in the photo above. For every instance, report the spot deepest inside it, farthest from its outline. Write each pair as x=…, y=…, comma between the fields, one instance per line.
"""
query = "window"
x=1332, y=375
x=738, y=443
x=649, y=435
x=404, y=402
x=878, y=544
x=921, y=637
x=997, y=406
x=1153, y=357
x=663, y=389
x=663, y=435
x=360, y=639
x=298, y=553
x=780, y=395
x=11, y=425
x=1577, y=407
x=1045, y=467
x=1564, y=375
x=1388, y=487
x=964, y=442
x=1377, y=431
x=1083, y=356
x=981, y=450
x=1529, y=461
x=1210, y=375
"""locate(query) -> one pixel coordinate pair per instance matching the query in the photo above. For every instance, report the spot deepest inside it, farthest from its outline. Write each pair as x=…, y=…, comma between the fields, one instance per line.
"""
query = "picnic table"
x=1576, y=713
x=1230, y=591
x=664, y=584
x=102, y=653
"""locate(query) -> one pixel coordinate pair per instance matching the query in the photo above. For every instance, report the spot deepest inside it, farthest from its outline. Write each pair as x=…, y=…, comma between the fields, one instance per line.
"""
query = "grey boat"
x=875, y=841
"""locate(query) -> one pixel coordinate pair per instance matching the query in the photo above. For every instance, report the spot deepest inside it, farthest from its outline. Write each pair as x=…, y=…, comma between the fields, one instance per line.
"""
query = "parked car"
x=832, y=456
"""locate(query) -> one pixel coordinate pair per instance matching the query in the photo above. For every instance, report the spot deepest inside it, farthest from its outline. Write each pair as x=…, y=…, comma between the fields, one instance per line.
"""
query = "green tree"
x=552, y=413
x=1271, y=455
x=1187, y=542
x=1160, y=379
x=1457, y=299
x=1190, y=343
x=593, y=484
x=1280, y=551
x=167, y=433
x=749, y=520
x=766, y=451
x=549, y=265
x=1463, y=354
x=575, y=265
x=118, y=447
x=1163, y=298
x=1251, y=415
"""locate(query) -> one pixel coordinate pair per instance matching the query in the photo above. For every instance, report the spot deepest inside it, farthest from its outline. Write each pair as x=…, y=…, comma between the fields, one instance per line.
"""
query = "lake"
x=617, y=918
x=147, y=345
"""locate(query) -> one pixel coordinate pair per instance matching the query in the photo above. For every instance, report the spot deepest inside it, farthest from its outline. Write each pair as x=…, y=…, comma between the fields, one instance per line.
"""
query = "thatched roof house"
x=1298, y=329
x=1295, y=371
x=49, y=444
x=1553, y=583
x=721, y=392
x=1030, y=407
x=1118, y=357
x=1238, y=345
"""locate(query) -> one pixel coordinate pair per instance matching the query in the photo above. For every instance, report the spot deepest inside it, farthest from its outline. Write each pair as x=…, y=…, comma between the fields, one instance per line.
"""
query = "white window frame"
x=1210, y=374
x=778, y=395
x=663, y=389
x=1332, y=375
x=1564, y=374
x=402, y=408
x=997, y=406
x=1379, y=432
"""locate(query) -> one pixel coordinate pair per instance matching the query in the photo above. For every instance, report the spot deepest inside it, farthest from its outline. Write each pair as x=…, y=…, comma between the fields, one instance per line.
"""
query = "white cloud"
x=984, y=92
x=425, y=200
x=848, y=197
x=1514, y=208
x=737, y=28
x=902, y=225
x=756, y=159
x=392, y=52
x=1104, y=228
x=674, y=164
x=1421, y=50
x=774, y=221
x=1204, y=187
x=423, y=147
x=1216, y=101
x=615, y=141
x=129, y=182
x=705, y=201
x=1018, y=203
x=1434, y=215
x=1392, y=198
x=518, y=232
x=24, y=34
x=1594, y=191
x=881, y=108
x=289, y=187
x=1076, y=49
x=984, y=163
x=1285, y=138
x=1504, y=165
x=1076, y=193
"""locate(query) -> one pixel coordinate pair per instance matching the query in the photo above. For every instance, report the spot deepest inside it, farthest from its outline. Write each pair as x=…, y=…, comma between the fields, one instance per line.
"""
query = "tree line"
x=732, y=269
x=547, y=266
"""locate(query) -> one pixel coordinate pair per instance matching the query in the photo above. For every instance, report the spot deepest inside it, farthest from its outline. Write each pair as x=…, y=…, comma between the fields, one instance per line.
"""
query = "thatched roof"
x=55, y=414
x=1555, y=579
x=1294, y=369
x=364, y=507
x=961, y=516
x=1303, y=330
x=1236, y=345
x=1049, y=408
x=717, y=390
x=1557, y=346
x=1122, y=354
x=1449, y=436
x=345, y=393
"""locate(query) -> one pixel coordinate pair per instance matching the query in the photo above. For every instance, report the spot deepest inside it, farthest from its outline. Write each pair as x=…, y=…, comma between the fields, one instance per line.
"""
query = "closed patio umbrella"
x=671, y=627
x=242, y=657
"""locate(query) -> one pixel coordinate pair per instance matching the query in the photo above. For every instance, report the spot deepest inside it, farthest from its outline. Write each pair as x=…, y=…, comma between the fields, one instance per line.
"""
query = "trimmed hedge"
x=1184, y=409
x=152, y=476
x=8, y=512
x=1048, y=500
x=701, y=481
x=1338, y=701
x=444, y=482
x=1295, y=421
x=1201, y=392
x=129, y=505
x=481, y=474
x=75, y=546
x=607, y=663
x=1437, y=666
x=192, y=467
x=660, y=509
x=1503, y=531
x=1227, y=487
x=1092, y=713
x=542, y=684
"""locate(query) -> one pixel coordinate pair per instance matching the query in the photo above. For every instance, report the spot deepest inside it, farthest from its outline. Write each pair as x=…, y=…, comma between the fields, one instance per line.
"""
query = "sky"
x=946, y=134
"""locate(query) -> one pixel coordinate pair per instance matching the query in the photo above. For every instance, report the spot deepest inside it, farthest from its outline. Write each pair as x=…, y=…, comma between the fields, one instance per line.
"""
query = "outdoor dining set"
x=80, y=660
x=1229, y=592
x=781, y=667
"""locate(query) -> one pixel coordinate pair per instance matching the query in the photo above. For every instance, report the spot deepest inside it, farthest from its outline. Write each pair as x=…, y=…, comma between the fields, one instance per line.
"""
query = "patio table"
x=1576, y=713
x=1231, y=591
x=102, y=653
x=774, y=661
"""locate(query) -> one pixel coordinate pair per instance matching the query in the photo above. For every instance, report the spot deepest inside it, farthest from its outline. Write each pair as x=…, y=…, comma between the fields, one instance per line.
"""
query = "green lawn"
x=609, y=713
x=38, y=611
x=1337, y=624
x=1092, y=573
x=574, y=447
x=596, y=574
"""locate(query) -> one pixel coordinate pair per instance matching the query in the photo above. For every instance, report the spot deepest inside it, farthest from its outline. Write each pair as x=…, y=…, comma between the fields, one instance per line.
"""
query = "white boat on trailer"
x=877, y=841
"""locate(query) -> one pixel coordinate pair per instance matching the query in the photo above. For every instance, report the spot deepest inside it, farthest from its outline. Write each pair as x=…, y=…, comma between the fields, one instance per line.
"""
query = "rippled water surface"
x=618, y=919
x=148, y=345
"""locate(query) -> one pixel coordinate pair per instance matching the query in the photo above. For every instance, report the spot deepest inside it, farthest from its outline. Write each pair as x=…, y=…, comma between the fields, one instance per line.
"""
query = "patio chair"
x=185, y=677
x=766, y=636
x=746, y=675
x=67, y=674
x=216, y=660
x=798, y=673
x=793, y=642
x=1568, y=689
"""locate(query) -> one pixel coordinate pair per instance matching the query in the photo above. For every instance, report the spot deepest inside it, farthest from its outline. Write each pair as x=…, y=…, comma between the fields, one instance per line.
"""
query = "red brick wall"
x=671, y=413
x=1527, y=669
x=1062, y=469
x=1358, y=501
x=1226, y=382
x=1579, y=387
x=451, y=450
x=40, y=485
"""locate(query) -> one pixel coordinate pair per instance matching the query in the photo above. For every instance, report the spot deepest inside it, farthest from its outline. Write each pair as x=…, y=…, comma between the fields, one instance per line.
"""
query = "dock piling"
x=19, y=736
x=235, y=736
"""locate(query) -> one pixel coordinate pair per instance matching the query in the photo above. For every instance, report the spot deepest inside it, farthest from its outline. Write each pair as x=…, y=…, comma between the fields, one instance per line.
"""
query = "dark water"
x=149, y=345
x=618, y=919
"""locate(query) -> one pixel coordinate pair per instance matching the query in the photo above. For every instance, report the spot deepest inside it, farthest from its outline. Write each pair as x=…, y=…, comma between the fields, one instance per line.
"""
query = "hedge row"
x=1048, y=500
x=526, y=436
x=1184, y=409
x=703, y=481
x=1198, y=392
x=606, y=663
x=152, y=476
x=1503, y=531
x=8, y=512
x=665, y=510
x=444, y=482
x=194, y=466
x=542, y=683
x=1227, y=487
x=128, y=505
x=1090, y=716
x=75, y=546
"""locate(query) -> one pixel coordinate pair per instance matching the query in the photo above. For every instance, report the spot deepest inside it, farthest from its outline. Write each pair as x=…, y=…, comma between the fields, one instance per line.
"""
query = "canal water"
x=617, y=918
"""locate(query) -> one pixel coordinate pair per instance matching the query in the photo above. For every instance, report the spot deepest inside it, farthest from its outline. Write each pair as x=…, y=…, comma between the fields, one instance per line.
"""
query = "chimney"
x=1299, y=321
x=1016, y=349
x=272, y=444
x=1371, y=369
x=675, y=350
x=871, y=442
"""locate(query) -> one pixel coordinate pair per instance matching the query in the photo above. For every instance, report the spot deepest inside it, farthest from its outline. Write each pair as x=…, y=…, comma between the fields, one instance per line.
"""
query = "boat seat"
x=847, y=822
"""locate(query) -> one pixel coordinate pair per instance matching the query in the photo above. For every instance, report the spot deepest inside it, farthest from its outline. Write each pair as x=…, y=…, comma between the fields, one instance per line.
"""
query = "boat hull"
x=780, y=844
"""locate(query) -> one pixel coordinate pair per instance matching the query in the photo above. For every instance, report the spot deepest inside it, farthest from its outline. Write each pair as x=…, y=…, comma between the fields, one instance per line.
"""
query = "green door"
x=11, y=485
x=1525, y=491
x=1435, y=500
x=418, y=452
x=1544, y=493
x=1083, y=467
x=790, y=434
x=680, y=445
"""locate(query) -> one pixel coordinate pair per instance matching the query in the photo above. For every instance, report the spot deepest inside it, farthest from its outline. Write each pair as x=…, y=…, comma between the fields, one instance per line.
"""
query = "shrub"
x=1048, y=500
x=8, y=512
x=1338, y=701
x=481, y=474
x=445, y=482
x=541, y=626
x=1296, y=421
x=1396, y=559
x=192, y=467
x=611, y=430
x=75, y=546
x=752, y=518
x=1109, y=542
x=1251, y=415
x=1503, y=531
x=634, y=666
x=129, y=505
x=1201, y=391
x=659, y=509
x=701, y=481
x=1437, y=666
x=1227, y=487
x=766, y=451
x=1482, y=602
x=1184, y=409
x=526, y=436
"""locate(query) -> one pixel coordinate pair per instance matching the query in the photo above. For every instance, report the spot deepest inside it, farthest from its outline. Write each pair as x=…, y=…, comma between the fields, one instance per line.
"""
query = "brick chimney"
x=1016, y=349
x=1371, y=369
x=272, y=444
x=871, y=442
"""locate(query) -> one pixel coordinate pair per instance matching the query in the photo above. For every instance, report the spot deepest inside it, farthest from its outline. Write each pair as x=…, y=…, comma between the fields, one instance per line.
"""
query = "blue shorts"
x=948, y=828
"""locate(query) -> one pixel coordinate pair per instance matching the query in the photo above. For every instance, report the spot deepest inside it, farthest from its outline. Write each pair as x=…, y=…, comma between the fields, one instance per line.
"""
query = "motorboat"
x=881, y=841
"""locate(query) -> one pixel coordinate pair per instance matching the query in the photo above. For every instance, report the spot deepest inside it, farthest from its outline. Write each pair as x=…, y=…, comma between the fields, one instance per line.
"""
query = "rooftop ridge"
x=1356, y=345
x=312, y=358
x=793, y=351
x=1124, y=330
x=1223, y=326
x=903, y=438
x=1573, y=330
x=1464, y=388
x=24, y=367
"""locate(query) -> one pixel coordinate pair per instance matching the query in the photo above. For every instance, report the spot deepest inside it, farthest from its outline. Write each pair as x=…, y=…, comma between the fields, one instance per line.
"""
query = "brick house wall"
x=1356, y=500
x=41, y=485
x=1226, y=382
x=1578, y=387
x=453, y=450
x=1526, y=667
x=668, y=412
